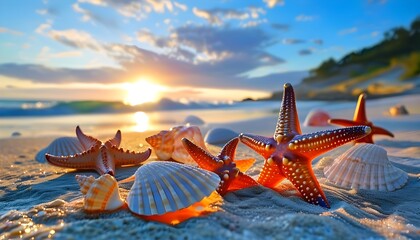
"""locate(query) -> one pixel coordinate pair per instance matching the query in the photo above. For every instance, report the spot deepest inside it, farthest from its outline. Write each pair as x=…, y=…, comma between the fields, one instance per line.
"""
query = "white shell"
x=62, y=146
x=162, y=187
x=101, y=194
x=168, y=144
x=365, y=166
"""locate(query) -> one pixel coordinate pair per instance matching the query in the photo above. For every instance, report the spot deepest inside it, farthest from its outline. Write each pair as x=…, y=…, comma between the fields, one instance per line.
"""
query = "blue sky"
x=88, y=49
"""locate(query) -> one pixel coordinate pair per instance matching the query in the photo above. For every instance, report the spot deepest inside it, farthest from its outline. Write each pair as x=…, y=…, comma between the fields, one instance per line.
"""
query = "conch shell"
x=101, y=194
x=365, y=166
x=168, y=145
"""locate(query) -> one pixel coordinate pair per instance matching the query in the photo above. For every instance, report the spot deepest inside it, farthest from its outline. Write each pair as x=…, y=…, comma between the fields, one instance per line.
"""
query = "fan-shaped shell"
x=365, y=166
x=62, y=146
x=317, y=118
x=168, y=144
x=101, y=194
x=162, y=187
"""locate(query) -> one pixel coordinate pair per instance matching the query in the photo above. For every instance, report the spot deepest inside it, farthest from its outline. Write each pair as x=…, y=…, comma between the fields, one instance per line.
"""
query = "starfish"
x=360, y=118
x=99, y=156
x=224, y=165
x=289, y=153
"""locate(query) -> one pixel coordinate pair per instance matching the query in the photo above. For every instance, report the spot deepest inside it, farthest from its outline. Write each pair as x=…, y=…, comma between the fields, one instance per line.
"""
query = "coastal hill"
x=391, y=67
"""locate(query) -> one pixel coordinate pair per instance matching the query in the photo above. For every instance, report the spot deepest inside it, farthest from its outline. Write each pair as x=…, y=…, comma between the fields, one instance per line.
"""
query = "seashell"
x=365, y=166
x=398, y=110
x=163, y=187
x=317, y=118
x=168, y=145
x=220, y=136
x=193, y=120
x=101, y=194
x=62, y=146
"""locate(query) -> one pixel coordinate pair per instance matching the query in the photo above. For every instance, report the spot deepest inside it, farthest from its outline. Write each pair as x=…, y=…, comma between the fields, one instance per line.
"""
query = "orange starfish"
x=361, y=119
x=224, y=165
x=102, y=157
x=289, y=153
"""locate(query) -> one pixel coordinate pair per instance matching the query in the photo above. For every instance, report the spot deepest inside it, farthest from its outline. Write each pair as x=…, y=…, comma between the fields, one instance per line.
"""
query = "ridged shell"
x=62, y=146
x=317, y=118
x=168, y=144
x=365, y=166
x=101, y=194
x=162, y=187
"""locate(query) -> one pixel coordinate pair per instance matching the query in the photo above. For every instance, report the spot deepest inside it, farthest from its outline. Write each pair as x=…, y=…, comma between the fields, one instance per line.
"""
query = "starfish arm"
x=343, y=122
x=203, y=158
x=242, y=181
x=301, y=175
x=84, y=160
x=86, y=141
x=270, y=175
x=315, y=144
x=115, y=141
x=244, y=164
x=360, y=112
x=229, y=149
x=129, y=158
x=288, y=121
x=381, y=131
x=262, y=145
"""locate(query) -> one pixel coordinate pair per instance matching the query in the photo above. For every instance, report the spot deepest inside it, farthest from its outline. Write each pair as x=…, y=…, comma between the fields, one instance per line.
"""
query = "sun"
x=142, y=91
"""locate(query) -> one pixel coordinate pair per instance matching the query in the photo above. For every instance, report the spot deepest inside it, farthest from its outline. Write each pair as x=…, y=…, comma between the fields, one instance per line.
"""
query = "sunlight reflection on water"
x=141, y=122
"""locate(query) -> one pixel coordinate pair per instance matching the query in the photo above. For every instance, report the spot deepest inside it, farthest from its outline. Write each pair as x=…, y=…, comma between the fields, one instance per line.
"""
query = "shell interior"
x=365, y=166
x=162, y=187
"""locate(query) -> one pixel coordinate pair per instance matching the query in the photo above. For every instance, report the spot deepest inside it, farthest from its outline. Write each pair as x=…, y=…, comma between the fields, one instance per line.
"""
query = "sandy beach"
x=39, y=200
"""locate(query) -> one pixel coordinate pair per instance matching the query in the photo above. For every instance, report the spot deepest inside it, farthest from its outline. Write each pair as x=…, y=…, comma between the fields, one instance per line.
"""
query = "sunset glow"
x=142, y=91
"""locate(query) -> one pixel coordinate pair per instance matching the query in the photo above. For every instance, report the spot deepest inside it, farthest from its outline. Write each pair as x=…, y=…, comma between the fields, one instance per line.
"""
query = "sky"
x=184, y=50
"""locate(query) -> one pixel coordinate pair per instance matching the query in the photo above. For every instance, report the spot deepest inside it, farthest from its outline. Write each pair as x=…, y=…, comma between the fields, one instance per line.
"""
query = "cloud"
x=40, y=73
x=374, y=34
x=281, y=27
x=304, y=18
x=75, y=38
x=348, y=31
x=46, y=54
x=89, y=16
x=273, y=3
x=137, y=9
x=288, y=41
x=218, y=16
x=43, y=27
x=318, y=41
x=10, y=31
x=48, y=11
x=254, y=23
x=305, y=52
x=209, y=44
x=183, y=7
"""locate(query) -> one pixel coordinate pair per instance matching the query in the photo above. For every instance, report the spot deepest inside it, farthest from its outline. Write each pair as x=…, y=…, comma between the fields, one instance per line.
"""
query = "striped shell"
x=168, y=145
x=162, y=187
x=63, y=146
x=365, y=166
x=101, y=194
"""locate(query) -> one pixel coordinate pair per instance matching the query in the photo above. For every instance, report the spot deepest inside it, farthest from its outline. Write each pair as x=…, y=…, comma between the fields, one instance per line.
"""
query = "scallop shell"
x=62, y=146
x=317, y=118
x=101, y=194
x=162, y=187
x=168, y=144
x=365, y=166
